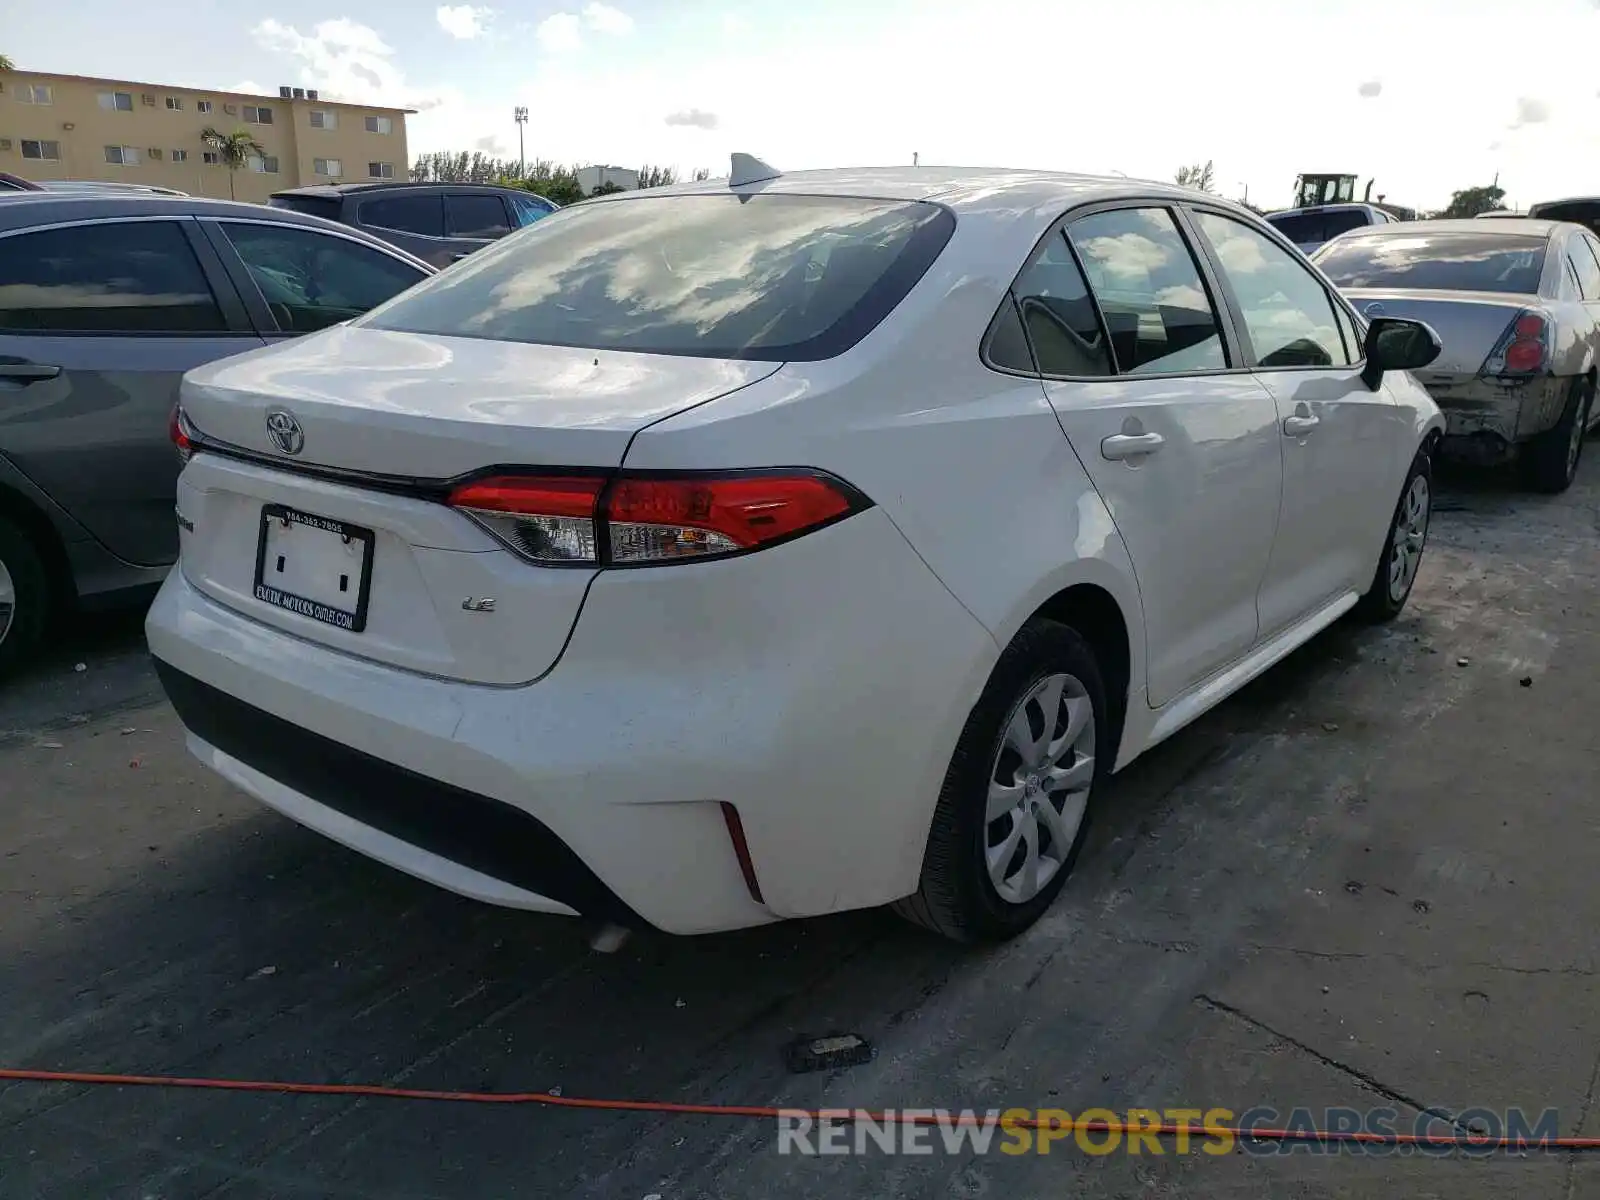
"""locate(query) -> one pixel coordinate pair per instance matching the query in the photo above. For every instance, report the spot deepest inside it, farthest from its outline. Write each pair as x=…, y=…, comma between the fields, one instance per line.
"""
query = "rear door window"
x=311, y=280
x=421, y=214
x=114, y=277
x=479, y=217
x=1451, y=262
x=1153, y=300
x=767, y=277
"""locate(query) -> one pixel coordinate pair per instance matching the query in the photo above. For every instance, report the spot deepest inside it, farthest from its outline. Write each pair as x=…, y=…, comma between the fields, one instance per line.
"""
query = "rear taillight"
x=178, y=429
x=640, y=520
x=1523, y=349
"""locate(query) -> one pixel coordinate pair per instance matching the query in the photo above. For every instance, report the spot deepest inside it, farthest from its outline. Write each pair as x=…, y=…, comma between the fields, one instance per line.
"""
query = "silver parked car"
x=105, y=301
x=1516, y=304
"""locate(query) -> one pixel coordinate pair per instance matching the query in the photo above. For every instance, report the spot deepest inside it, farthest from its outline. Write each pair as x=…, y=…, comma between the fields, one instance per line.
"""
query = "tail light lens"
x=640, y=520
x=179, y=431
x=1523, y=349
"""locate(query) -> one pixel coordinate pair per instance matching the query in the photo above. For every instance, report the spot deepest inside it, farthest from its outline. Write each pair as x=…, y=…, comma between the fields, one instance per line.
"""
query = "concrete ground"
x=1366, y=881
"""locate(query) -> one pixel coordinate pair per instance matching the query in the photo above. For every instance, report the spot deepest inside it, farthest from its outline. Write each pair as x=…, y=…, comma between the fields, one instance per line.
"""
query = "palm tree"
x=5, y=64
x=232, y=149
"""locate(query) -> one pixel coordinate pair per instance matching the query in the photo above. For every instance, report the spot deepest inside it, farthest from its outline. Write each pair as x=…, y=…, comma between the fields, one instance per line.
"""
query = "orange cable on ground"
x=767, y=1112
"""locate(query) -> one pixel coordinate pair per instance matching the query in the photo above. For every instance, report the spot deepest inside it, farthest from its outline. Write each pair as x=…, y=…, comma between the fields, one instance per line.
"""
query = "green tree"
x=1469, y=202
x=1200, y=176
x=6, y=64
x=606, y=189
x=233, y=150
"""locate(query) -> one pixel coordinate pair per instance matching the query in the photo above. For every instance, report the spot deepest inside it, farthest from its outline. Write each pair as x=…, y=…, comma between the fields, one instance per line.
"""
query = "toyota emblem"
x=285, y=432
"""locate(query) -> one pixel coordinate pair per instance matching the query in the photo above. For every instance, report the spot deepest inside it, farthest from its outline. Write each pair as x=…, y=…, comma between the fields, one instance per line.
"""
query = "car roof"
x=1352, y=206
x=1526, y=226
x=335, y=190
x=990, y=191
x=23, y=210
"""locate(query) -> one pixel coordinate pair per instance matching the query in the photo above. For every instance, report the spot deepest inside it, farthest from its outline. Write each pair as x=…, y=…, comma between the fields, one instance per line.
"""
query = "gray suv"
x=105, y=301
x=438, y=222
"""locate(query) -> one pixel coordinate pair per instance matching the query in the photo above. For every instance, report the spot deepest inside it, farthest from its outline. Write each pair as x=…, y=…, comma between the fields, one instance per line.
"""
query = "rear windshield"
x=778, y=278
x=1580, y=212
x=1450, y=262
x=1304, y=228
x=317, y=206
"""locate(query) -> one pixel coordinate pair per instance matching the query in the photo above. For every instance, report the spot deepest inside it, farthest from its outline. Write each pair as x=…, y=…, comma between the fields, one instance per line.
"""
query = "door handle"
x=1300, y=424
x=28, y=372
x=1120, y=446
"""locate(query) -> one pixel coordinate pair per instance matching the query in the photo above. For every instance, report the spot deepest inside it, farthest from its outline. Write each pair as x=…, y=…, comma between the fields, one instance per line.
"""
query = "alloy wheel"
x=1039, y=787
x=1575, y=441
x=1410, y=536
x=8, y=601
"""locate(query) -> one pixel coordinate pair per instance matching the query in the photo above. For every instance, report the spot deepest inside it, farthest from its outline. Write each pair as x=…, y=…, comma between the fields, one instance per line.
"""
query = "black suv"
x=437, y=222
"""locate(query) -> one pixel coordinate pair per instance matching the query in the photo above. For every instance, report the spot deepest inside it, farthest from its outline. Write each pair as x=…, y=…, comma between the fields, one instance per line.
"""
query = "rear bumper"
x=1486, y=419
x=818, y=687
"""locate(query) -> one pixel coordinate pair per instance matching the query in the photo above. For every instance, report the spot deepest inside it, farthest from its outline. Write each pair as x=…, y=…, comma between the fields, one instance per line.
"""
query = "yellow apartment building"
x=76, y=127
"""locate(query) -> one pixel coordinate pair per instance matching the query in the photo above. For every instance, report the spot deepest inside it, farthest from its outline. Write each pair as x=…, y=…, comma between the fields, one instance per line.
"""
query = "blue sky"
x=1425, y=95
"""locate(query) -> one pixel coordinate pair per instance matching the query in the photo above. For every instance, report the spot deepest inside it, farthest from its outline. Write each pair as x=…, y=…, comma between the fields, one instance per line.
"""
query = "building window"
x=116, y=101
x=330, y=167
x=180, y=156
x=204, y=106
x=44, y=151
x=210, y=157
x=257, y=116
x=174, y=103
x=155, y=153
x=125, y=156
x=324, y=120
x=380, y=170
x=379, y=125
x=35, y=93
x=264, y=164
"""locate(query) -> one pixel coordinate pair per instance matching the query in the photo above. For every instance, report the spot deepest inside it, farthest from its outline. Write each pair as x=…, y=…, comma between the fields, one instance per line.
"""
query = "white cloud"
x=464, y=21
x=602, y=18
x=561, y=33
x=1530, y=112
x=694, y=118
x=1371, y=88
x=346, y=60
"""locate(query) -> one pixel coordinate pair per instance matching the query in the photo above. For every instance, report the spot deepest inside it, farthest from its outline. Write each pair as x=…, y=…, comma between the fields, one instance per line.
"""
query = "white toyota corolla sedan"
x=783, y=544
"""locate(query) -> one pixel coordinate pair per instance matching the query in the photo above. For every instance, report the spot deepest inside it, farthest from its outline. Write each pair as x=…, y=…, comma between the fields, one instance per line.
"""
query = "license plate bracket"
x=316, y=567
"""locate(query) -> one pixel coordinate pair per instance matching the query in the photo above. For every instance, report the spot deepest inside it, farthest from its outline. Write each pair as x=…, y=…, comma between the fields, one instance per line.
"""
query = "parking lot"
x=1368, y=880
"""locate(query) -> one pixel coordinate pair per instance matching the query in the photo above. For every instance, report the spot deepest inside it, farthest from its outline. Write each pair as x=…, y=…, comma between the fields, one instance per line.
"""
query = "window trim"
x=327, y=164
x=1202, y=260
x=259, y=313
x=235, y=319
x=32, y=90
x=1236, y=311
x=41, y=143
x=114, y=106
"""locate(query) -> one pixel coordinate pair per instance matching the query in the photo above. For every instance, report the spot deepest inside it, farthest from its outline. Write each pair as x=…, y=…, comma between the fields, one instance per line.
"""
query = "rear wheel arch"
x=1094, y=613
x=46, y=541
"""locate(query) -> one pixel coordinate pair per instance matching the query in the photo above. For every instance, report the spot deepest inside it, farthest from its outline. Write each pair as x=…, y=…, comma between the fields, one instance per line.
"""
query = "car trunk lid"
x=1469, y=324
x=340, y=534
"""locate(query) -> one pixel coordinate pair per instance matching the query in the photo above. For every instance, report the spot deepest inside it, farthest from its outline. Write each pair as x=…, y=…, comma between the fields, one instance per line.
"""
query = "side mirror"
x=1397, y=344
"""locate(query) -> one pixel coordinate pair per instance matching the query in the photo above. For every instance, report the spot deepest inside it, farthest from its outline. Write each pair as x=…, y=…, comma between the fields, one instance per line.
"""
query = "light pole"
x=520, y=115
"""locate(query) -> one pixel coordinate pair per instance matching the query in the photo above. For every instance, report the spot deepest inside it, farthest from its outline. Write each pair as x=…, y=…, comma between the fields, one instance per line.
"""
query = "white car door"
x=1345, y=446
x=1180, y=442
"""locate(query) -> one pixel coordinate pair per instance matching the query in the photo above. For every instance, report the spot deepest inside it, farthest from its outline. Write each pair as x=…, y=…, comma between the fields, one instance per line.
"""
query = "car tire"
x=1551, y=460
x=24, y=597
x=1403, y=545
x=972, y=889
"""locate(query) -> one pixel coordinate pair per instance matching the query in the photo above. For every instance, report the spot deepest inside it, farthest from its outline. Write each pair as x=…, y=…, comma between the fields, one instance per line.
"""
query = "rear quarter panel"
x=970, y=464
